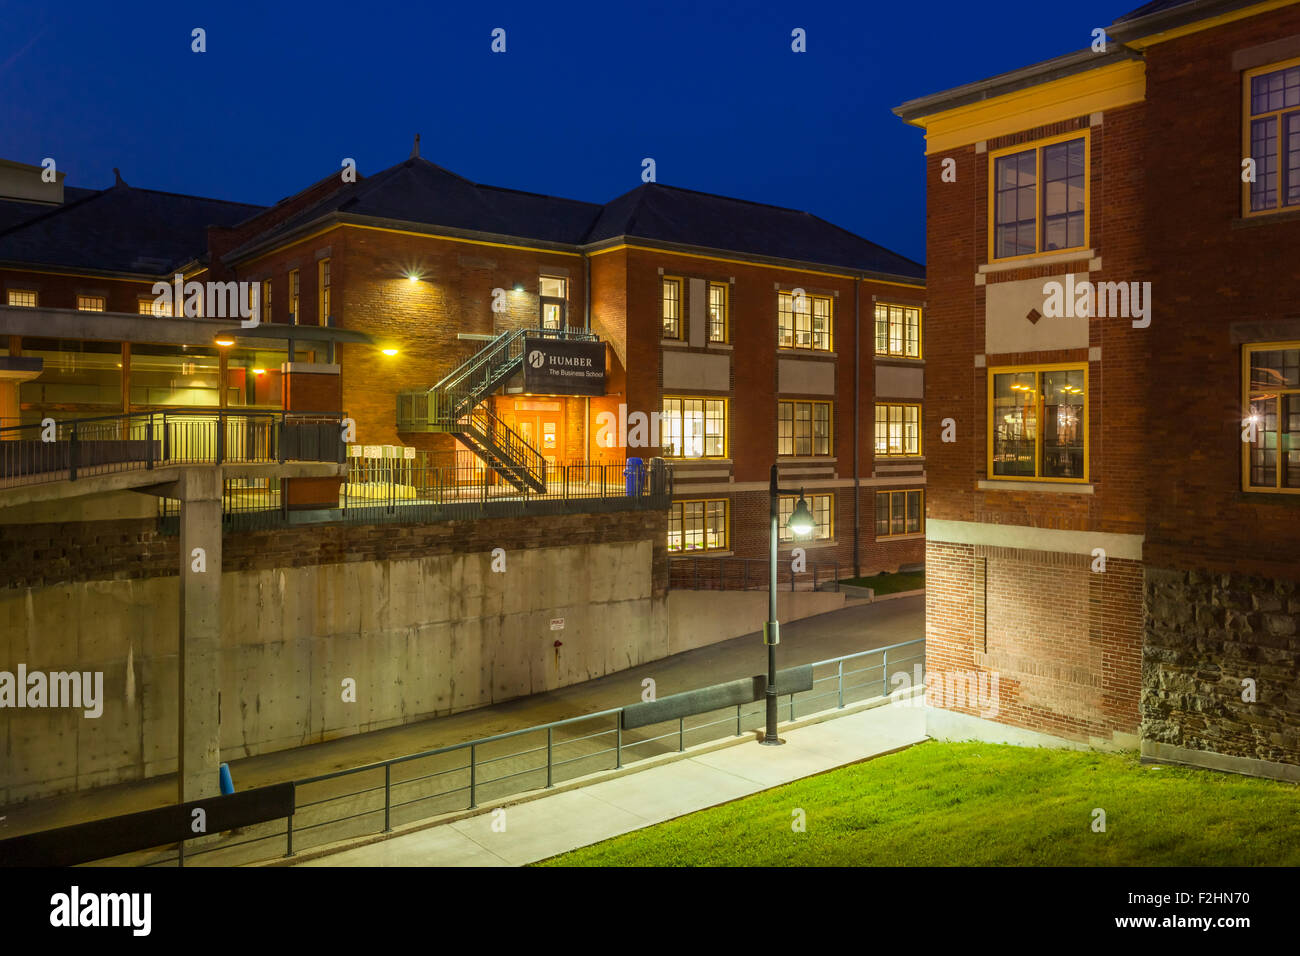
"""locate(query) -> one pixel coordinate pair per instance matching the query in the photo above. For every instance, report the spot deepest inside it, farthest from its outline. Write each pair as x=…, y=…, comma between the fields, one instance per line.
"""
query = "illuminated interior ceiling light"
x=259, y=371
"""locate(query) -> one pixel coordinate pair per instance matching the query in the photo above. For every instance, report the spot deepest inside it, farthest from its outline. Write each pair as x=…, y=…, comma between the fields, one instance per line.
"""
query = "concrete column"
x=199, y=731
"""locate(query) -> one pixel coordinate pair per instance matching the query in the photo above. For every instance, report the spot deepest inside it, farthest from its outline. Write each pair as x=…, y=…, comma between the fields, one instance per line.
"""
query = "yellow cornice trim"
x=1095, y=91
x=760, y=265
x=1141, y=43
x=85, y=275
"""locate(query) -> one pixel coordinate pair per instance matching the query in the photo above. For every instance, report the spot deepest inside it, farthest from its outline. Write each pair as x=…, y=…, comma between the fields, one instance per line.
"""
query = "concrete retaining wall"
x=419, y=636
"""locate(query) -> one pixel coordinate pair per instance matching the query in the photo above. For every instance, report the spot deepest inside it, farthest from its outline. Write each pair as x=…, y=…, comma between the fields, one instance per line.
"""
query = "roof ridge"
x=869, y=242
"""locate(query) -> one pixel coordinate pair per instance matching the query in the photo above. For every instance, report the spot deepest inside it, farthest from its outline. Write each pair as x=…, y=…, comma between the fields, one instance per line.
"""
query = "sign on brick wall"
x=557, y=367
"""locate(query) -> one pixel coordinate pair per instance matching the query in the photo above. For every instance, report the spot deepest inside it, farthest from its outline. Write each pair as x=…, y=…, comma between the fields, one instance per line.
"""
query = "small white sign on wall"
x=557, y=624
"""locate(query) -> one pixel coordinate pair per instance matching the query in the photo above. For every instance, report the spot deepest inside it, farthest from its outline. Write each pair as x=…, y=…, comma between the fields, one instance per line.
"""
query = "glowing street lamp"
x=801, y=523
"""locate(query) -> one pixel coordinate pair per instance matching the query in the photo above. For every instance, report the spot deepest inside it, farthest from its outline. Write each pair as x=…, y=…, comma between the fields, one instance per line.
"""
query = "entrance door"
x=541, y=424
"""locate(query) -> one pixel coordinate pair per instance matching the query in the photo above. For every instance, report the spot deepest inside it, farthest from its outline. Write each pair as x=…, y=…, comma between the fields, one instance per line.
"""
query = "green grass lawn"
x=974, y=804
x=890, y=583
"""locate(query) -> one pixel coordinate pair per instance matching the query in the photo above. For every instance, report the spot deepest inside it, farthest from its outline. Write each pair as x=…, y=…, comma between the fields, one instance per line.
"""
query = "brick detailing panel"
x=1064, y=642
x=41, y=555
x=1205, y=635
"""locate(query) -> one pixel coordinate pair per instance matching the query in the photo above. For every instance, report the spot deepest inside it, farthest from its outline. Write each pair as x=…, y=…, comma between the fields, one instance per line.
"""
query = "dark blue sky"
x=711, y=91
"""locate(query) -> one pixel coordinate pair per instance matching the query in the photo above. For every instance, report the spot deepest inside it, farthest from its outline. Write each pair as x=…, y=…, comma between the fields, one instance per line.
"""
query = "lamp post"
x=801, y=523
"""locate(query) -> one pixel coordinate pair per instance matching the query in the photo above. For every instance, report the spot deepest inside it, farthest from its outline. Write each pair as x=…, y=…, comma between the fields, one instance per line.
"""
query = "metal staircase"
x=453, y=407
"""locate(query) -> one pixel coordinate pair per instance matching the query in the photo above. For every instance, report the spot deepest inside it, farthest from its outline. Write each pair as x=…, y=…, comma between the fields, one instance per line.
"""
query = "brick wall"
x=1211, y=270
x=1063, y=641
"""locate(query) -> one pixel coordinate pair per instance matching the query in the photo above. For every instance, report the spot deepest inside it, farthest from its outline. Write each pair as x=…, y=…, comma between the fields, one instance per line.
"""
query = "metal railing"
x=442, y=406
x=515, y=459
x=377, y=797
x=77, y=448
x=413, y=491
x=749, y=574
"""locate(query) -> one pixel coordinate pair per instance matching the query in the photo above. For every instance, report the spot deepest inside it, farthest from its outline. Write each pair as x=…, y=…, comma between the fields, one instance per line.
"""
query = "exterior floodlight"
x=519, y=287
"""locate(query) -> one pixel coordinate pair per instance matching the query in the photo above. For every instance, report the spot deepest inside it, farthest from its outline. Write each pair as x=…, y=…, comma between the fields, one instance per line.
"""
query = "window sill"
x=701, y=553
x=674, y=343
x=899, y=459
x=806, y=545
x=805, y=353
x=725, y=346
x=902, y=360
x=695, y=461
x=913, y=536
x=1050, y=487
x=1037, y=259
x=805, y=460
x=1282, y=215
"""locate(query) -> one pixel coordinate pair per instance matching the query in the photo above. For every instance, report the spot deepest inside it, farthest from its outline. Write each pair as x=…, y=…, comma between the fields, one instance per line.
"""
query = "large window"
x=804, y=321
x=294, y=290
x=1273, y=136
x=823, y=512
x=898, y=330
x=697, y=525
x=803, y=428
x=694, y=428
x=23, y=297
x=1039, y=197
x=898, y=430
x=553, y=293
x=1038, y=423
x=323, y=269
x=717, y=312
x=1272, y=458
x=900, y=512
x=672, y=296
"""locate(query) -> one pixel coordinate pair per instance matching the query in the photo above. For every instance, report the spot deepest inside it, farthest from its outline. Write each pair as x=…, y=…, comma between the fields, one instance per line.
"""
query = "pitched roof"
x=686, y=217
x=119, y=229
x=418, y=191
x=15, y=211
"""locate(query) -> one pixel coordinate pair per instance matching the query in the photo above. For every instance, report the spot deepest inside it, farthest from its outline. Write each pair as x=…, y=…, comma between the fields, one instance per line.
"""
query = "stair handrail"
x=520, y=455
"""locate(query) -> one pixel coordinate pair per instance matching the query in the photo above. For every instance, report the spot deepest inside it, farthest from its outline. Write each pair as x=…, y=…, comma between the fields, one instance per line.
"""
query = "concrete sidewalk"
x=848, y=631
x=557, y=823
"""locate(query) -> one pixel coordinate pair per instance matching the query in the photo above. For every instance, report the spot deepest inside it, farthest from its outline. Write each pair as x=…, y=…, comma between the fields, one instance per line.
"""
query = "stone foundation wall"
x=1206, y=636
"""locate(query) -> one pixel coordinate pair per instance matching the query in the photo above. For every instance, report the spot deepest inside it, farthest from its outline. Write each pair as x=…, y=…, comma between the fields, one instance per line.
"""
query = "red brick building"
x=1114, y=341
x=729, y=336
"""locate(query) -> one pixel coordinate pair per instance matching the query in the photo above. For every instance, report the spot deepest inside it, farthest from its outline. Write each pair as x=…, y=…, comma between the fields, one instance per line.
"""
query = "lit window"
x=154, y=307
x=323, y=268
x=90, y=303
x=552, y=293
x=1039, y=198
x=293, y=296
x=23, y=297
x=803, y=428
x=1273, y=137
x=1271, y=431
x=693, y=428
x=717, y=312
x=697, y=525
x=899, y=512
x=1038, y=422
x=672, y=296
x=823, y=512
x=898, y=331
x=898, y=430
x=804, y=321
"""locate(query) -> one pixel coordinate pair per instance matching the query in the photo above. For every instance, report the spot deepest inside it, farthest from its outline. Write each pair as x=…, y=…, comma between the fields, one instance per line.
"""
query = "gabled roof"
x=686, y=217
x=119, y=229
x=420, y=192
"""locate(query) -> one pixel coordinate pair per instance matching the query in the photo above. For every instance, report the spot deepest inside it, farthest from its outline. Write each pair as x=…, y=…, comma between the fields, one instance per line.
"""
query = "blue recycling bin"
x=227, y=784
x=633, y=472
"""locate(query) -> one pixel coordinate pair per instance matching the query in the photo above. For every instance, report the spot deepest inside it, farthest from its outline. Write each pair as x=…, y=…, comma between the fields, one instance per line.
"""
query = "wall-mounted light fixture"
x=225, y=342
x=389, y=352
x=519, y=287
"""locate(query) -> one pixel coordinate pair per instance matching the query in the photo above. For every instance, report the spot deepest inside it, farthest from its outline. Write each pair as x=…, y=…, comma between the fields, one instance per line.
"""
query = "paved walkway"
x=853, y=629
x=561, y=822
